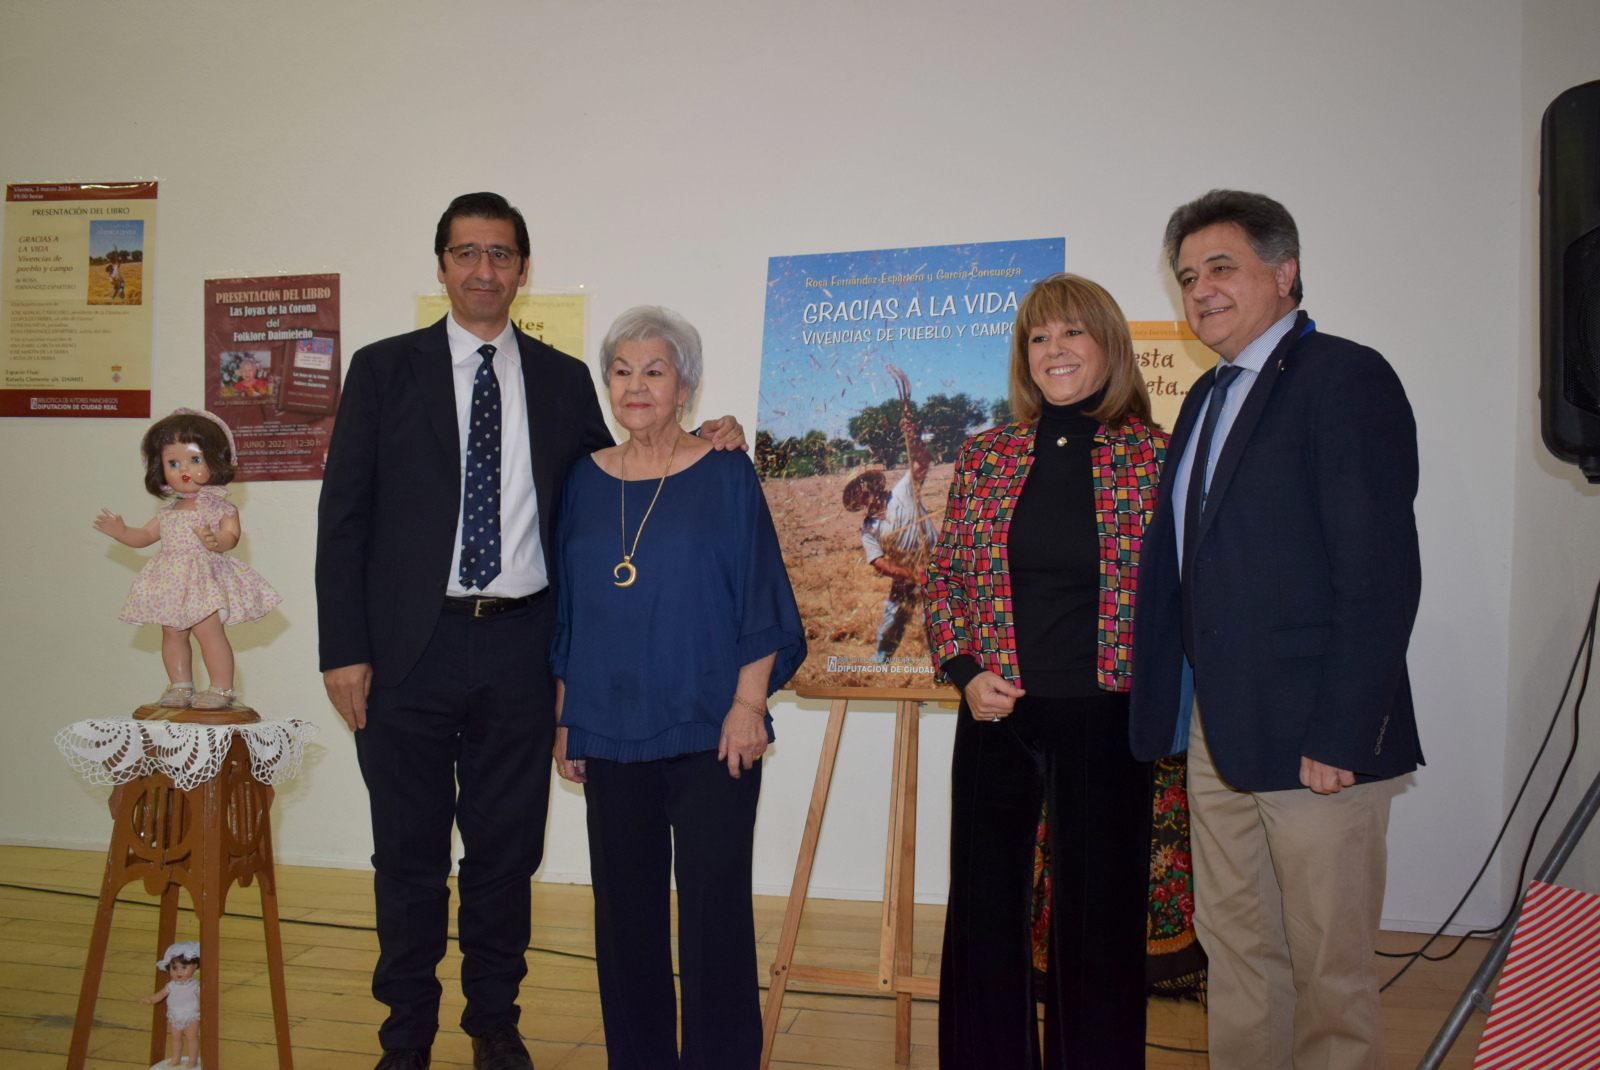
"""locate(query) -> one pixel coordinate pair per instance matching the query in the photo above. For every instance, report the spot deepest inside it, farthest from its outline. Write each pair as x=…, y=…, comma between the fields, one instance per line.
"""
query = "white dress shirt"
x=1249, y=362
x=521, y=554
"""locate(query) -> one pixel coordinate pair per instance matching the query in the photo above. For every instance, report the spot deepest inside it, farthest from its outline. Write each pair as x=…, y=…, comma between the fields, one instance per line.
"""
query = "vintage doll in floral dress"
x=191, y=585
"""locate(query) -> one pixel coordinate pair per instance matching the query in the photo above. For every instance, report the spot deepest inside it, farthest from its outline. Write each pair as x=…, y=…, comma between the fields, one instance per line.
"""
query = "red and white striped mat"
x=1546, y=1014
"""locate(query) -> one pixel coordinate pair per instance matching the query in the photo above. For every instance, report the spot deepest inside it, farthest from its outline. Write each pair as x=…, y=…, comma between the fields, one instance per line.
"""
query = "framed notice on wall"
x=76, y=301
x=272, y=370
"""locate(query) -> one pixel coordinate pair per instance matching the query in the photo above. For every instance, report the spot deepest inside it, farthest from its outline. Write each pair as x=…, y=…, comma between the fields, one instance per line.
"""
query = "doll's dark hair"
x=182, y=960
x=186, y=429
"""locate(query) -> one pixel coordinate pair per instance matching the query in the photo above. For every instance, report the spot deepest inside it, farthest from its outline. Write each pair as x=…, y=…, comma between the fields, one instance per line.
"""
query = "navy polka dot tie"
x=480, y=502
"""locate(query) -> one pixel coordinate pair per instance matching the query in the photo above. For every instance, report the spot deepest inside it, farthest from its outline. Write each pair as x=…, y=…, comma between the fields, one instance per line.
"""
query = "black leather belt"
x=490, y=607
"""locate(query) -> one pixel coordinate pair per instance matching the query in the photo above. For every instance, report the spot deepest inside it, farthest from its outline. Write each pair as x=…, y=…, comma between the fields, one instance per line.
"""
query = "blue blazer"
x=391, y=492
x=1304, y=583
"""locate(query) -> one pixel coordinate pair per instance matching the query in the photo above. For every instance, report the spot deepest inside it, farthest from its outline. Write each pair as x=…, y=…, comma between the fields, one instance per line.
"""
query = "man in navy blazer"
x=1278, y=585
x=434, y=547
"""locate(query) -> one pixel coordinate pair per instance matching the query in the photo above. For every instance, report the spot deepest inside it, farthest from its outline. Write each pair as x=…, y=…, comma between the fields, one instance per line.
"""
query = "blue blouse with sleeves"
x=650, y=670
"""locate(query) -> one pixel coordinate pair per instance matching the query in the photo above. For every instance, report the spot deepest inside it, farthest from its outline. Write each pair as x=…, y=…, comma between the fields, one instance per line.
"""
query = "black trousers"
x=1072, y=755
x=641, y=815
x=465, y=739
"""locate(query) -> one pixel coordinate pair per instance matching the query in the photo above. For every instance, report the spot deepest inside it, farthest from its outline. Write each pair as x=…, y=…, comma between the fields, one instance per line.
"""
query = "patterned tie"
x=480, y=502
x=1194, y=504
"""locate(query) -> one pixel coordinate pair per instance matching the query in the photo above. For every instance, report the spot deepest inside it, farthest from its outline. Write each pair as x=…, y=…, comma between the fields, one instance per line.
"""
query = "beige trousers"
x=1288, y=898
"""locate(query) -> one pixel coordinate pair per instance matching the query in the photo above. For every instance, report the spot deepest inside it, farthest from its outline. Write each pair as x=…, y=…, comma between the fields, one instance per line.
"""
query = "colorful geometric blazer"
x=968, y=593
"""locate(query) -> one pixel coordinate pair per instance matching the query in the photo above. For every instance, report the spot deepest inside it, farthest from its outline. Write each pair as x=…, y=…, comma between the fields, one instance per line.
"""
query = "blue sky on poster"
x=106, y=234
x=943, y=314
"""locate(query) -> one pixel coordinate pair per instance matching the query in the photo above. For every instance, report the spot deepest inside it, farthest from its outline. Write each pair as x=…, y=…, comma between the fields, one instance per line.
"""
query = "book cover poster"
x=76, y=307
x=875, y=367
x=1171, y=359
x=272, y=370
x=556, y=319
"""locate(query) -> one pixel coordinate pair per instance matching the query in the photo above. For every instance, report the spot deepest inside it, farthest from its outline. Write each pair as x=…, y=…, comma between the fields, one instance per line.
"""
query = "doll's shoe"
x=177, y=697
x=214, y=698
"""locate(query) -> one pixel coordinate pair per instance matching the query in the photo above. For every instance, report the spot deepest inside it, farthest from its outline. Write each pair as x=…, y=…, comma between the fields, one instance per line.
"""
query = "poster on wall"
x=272, y=370
x=76, y=304
x=875, y=367
x=1171, y=359
x=556, y=319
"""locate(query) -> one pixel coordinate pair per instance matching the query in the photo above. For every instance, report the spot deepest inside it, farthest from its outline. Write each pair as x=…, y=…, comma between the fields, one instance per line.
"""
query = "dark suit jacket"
x=391, y=494
x=1304, y=582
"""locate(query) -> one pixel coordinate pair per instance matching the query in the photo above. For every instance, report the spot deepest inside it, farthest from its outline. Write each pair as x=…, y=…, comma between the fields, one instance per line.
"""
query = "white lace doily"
x=117, y=750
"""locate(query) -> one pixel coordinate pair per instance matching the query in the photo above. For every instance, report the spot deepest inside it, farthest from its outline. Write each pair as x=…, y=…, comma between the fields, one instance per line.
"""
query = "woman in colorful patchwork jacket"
x=1030, y=599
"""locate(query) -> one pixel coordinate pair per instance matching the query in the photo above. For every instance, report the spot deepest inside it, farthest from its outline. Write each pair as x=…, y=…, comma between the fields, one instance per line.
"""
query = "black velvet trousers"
x=465, y=740
x=1072, y=755
x=647, y=821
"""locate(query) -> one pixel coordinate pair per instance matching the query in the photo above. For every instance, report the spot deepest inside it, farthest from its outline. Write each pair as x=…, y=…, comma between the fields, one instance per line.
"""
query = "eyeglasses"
x=468, y=255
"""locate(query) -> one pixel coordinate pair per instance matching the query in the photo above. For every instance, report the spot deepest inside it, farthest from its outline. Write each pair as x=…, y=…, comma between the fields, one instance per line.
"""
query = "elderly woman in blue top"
x=675, y=623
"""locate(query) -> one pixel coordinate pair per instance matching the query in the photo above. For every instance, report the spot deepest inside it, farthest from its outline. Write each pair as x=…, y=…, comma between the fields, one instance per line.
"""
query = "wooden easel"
x=203, y=840
x=899, y=870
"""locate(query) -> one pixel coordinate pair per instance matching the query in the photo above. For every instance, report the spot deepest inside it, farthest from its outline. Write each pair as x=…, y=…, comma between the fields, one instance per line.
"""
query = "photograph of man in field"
x=858, y=520
x=116, y=261
x=897, y=535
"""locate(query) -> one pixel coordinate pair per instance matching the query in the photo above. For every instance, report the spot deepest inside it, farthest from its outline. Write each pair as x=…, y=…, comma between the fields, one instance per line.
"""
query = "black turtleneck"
x=1053, y=555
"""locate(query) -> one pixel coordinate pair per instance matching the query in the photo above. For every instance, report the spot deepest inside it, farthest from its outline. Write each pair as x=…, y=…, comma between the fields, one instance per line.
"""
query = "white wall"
x=662, y=152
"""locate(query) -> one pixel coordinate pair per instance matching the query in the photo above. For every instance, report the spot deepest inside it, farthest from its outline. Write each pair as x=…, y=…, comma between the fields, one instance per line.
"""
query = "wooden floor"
x=47, y=906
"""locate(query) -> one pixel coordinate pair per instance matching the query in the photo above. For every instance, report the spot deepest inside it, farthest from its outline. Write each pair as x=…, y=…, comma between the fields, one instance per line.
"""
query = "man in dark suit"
x=1278, y=584
x=434, y=545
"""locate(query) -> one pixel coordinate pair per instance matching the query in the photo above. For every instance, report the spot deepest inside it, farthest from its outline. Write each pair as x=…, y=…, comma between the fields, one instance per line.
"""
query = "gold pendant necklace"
x=627, y=564
x=1062, y=441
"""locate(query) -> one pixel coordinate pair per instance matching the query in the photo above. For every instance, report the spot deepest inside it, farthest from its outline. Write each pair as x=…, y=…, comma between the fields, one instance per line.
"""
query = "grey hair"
x=1267, y=226
x=644, y=322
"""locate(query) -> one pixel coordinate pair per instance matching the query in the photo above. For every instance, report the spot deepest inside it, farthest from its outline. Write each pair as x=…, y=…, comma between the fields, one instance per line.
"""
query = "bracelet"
x=759, y=711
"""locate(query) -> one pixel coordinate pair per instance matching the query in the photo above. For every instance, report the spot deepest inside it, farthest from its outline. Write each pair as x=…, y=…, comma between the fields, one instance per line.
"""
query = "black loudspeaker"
x=1569, y=278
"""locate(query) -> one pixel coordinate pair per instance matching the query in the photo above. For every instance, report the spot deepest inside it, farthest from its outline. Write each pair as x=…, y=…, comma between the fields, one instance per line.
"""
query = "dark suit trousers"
x=641, y=814
x=464, y=739
x=1072, y=755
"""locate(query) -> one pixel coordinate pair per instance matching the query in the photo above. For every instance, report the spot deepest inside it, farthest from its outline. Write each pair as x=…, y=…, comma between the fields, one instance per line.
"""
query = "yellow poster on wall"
x=557, y=320
x=76, y=307
x=1171, y=359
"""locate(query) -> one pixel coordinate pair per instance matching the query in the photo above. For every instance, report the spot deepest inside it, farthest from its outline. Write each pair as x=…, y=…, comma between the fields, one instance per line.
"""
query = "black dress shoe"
x=405, y=1059
x=501, y=1048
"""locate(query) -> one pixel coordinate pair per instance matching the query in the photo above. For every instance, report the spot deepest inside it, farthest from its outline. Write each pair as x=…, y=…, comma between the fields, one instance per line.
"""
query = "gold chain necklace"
x=627, y=564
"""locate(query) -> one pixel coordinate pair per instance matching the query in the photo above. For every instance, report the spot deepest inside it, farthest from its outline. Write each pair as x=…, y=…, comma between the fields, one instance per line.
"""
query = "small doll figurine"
x=191, y=584
x=182, y=994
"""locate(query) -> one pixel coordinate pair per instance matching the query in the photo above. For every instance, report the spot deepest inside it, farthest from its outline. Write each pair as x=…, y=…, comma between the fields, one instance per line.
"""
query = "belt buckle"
x=478, y=604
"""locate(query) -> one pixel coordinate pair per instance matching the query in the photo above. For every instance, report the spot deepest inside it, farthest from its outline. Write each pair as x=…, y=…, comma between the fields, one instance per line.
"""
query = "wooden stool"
x=201, y=840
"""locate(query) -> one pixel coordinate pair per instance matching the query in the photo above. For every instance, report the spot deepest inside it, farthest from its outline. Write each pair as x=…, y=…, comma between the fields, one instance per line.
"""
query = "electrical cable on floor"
x=1585, y=655
x=531, y=947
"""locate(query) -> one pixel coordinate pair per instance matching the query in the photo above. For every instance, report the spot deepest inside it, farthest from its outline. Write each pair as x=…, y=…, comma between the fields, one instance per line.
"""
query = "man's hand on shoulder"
x=1324, y=779
x=348, y=687
x=724, y=434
